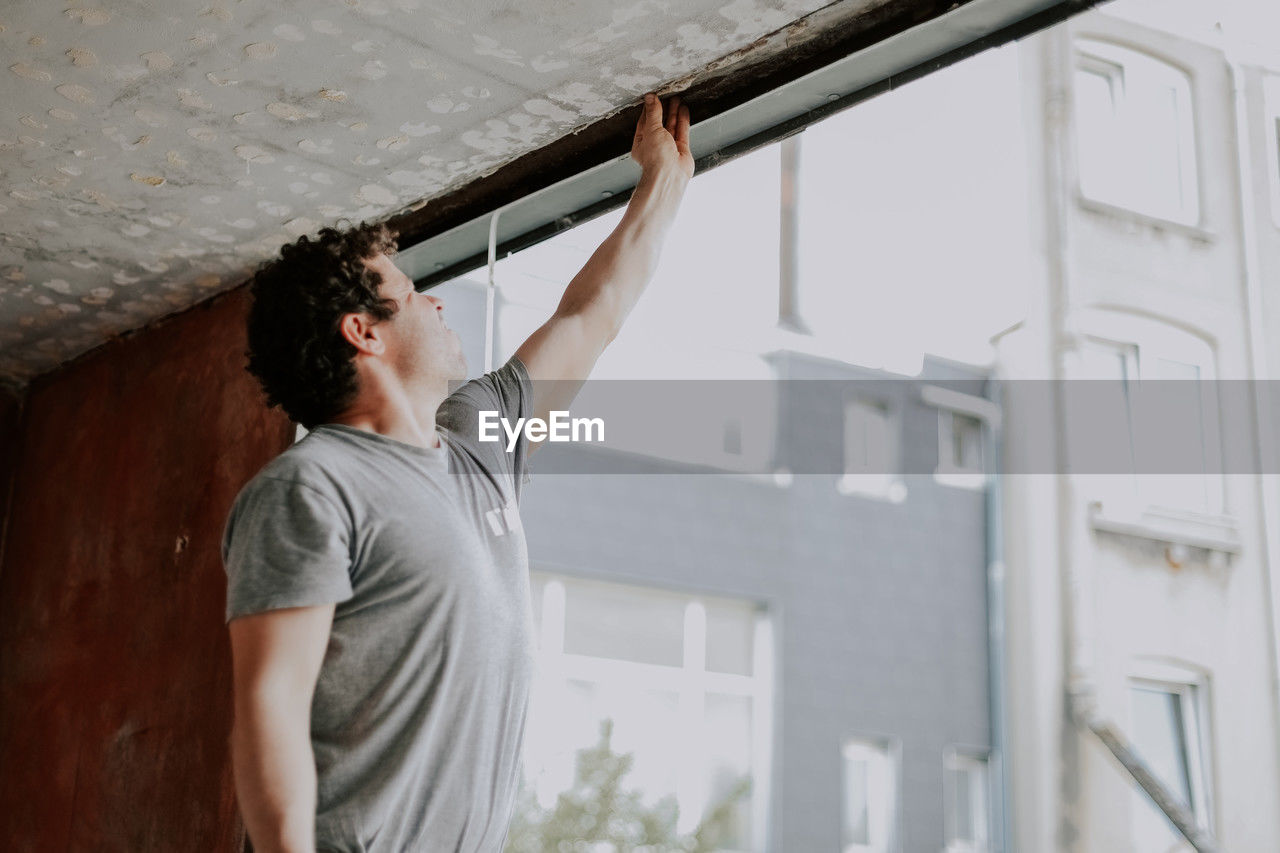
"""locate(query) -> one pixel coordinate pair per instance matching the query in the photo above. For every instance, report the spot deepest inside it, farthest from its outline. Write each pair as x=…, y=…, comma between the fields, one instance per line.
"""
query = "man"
x=378, y=594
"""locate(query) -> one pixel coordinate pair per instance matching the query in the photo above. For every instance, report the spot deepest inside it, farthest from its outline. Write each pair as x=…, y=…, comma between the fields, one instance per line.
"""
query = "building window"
x=679, y=683
x=960, y=460
x=1271, y=84
x=1159, y=407
x=965, y=789
x=1169, y=733
x=871, y=451
x=870, y=796
x=1135, y=133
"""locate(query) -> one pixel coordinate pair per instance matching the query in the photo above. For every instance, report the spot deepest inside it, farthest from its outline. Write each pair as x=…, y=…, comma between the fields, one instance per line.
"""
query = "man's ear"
x=362, y=332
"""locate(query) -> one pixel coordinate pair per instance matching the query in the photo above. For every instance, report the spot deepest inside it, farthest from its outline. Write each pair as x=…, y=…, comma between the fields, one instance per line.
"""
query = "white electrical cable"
x=489, y=291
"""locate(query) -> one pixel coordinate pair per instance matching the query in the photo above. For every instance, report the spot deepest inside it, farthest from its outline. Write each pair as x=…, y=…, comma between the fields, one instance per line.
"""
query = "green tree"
x=598, y=815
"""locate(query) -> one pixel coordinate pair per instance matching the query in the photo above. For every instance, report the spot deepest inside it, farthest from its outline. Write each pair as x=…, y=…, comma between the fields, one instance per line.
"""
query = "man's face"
x=418, y=341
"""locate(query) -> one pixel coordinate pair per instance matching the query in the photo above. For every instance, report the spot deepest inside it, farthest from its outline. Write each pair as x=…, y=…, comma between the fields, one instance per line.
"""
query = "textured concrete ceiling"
x=153, y=153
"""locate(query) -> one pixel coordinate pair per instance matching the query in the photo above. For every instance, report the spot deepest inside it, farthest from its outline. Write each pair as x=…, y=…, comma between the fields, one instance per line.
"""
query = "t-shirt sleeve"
x=507, y=391
x=285, y=544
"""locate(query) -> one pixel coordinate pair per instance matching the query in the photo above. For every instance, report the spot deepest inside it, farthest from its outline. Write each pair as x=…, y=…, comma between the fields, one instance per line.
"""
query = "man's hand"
x=595, y=303
x=663, y=143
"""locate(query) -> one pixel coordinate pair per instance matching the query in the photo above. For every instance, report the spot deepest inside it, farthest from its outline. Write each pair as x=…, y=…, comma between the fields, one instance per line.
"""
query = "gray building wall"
x=879, y=609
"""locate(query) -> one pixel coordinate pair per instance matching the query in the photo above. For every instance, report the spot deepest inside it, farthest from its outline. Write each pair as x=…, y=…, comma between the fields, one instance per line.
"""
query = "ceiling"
x=152, y=154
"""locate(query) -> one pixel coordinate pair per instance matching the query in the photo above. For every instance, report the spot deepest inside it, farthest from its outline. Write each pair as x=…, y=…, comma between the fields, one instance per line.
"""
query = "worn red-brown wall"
x=10, y=426
x=114, y=662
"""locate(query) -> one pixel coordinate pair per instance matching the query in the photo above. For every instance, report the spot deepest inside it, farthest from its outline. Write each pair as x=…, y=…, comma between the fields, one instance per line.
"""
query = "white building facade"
x=1142, y=601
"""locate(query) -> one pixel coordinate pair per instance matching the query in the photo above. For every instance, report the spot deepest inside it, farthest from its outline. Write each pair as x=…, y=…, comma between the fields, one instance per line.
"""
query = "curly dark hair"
x=296, y=352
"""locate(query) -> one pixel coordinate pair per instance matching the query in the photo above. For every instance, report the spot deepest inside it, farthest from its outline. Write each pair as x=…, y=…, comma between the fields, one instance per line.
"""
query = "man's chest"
x=458, y=539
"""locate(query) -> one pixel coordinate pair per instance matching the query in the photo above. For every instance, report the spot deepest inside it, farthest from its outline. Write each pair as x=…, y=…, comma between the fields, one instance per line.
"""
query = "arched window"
x=1160, y=409
x=1135, y=132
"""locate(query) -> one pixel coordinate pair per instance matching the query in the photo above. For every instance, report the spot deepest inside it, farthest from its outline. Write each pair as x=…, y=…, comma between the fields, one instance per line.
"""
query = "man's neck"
x=396, y=414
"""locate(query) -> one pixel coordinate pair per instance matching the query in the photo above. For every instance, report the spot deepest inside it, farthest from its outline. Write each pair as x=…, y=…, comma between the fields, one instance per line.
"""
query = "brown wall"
x=114, y=663
x=10, y=429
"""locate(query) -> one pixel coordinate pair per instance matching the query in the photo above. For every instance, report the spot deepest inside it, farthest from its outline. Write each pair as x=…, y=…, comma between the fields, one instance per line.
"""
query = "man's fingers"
x=656, y=118
x=652, y=113
x=673, y=113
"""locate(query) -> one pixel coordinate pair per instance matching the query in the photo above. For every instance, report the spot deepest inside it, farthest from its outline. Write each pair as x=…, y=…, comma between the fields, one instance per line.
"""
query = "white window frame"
x=691, y=681
x=1117, y=65
x=1271, y=99
x=950, y=403
x=1134, y=338
x=976, y=762
x=1192, y=687
x=867, y=481
x=949, y=471
x=884, y=760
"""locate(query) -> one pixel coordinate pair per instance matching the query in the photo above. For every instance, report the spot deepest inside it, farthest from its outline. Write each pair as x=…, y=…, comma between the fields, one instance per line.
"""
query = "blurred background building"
x=946, y=661
x=1142, y=605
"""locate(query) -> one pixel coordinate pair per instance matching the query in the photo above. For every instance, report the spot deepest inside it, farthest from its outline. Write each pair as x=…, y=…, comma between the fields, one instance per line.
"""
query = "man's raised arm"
x=601, y=295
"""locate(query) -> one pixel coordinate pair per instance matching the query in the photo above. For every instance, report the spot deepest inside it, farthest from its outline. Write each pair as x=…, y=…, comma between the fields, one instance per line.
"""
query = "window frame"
x=1192, y=686
x=451, y=237
x=949, y=470
x=886, y=751
x=950, y=403
x=1118, y=64
x=956, y=759
x=1130, y=335
x=883, y=485
x=691, y=680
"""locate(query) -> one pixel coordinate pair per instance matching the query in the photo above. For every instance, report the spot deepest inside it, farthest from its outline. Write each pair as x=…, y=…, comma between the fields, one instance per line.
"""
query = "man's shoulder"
x=511, y=380
x=506, y=390
x=312, y=463
x=303, y=482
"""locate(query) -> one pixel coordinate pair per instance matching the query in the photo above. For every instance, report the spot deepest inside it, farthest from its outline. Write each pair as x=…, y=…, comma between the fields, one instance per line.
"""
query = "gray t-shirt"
x=420, y=704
